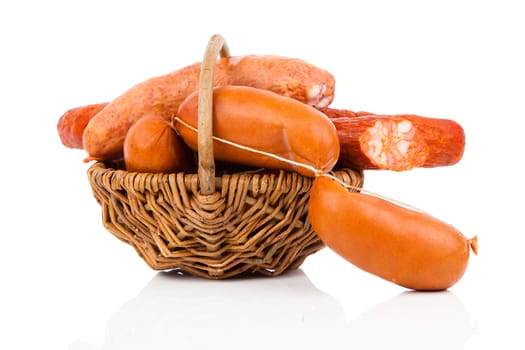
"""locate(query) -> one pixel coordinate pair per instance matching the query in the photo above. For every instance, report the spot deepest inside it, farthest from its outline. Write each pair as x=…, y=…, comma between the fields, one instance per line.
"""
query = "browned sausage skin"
x=396, y=142
x=72, y=123
x=104, y=136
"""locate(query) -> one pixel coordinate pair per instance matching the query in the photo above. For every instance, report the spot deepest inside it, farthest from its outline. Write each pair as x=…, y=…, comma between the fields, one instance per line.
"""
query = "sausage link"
x=266, y=125
x=104, y=135
x=396, y=142
x=401, y=245
x=72, y=123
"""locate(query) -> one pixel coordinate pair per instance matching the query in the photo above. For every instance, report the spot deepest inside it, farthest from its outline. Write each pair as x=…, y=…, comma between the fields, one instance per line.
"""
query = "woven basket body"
x=252, y=223
x=211, y=226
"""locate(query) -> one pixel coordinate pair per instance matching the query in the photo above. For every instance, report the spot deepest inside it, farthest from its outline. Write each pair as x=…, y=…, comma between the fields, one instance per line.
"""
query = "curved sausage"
x=400, y=245
x=104, y=135
x=266, y=122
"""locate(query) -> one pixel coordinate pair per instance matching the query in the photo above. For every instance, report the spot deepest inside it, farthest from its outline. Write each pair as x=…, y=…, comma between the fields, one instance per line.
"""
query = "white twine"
x=253, y=150
x=317, y=172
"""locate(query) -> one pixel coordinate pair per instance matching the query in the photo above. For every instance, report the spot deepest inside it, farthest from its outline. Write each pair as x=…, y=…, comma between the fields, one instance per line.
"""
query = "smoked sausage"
x=265, y=125
x=72, y=123
x=104, y=136
x=401, y=245
x=396, y=142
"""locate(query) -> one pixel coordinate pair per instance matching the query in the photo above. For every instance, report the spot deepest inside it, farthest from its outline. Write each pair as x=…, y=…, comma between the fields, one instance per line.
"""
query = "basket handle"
x=216, y=46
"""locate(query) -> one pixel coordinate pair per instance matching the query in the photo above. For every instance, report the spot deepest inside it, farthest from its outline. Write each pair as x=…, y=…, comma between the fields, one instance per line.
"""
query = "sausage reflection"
x=413, y=320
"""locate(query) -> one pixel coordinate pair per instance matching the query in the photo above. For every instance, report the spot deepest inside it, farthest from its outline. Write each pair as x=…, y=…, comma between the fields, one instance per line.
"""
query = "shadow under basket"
x=252, y=223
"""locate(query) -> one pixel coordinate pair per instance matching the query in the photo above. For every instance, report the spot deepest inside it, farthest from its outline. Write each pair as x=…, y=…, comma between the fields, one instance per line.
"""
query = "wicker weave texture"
x=253, y=222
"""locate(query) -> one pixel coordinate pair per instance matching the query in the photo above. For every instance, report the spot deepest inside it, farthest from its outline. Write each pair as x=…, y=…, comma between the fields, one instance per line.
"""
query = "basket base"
x=255, y=223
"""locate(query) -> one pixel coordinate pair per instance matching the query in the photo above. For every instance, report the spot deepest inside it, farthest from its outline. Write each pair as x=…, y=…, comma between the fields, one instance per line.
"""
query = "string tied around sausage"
x=312, y=169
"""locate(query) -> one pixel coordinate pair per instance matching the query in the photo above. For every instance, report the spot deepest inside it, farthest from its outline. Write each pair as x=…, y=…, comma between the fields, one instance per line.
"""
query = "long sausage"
x=401, y=245
x=396, y=142
x=265, y=125
x=104, y=135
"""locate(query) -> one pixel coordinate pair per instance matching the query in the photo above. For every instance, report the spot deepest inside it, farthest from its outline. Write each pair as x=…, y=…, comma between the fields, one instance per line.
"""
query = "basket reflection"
x=180, y=311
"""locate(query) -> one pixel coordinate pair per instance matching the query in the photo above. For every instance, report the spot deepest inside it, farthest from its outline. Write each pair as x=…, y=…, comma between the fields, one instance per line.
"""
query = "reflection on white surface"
x=413, y=320
x=180, y=311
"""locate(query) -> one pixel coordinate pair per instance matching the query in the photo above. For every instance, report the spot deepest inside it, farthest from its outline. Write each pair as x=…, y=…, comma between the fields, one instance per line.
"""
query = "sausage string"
x=253, y=150
x=314, y=170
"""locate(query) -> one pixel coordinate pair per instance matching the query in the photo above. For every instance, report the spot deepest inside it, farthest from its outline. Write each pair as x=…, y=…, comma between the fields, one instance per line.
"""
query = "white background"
x=68, y=284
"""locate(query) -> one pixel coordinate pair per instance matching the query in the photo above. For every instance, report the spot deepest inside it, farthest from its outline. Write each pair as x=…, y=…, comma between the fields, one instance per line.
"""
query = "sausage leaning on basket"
x=238, y=165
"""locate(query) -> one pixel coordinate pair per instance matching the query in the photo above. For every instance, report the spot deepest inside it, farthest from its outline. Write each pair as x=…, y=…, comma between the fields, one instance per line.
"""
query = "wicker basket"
x=211, y=226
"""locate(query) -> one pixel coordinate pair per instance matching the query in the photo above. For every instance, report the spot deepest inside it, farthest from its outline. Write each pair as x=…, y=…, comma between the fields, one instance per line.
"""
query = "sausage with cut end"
x=396, y=142
x=401, y=245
